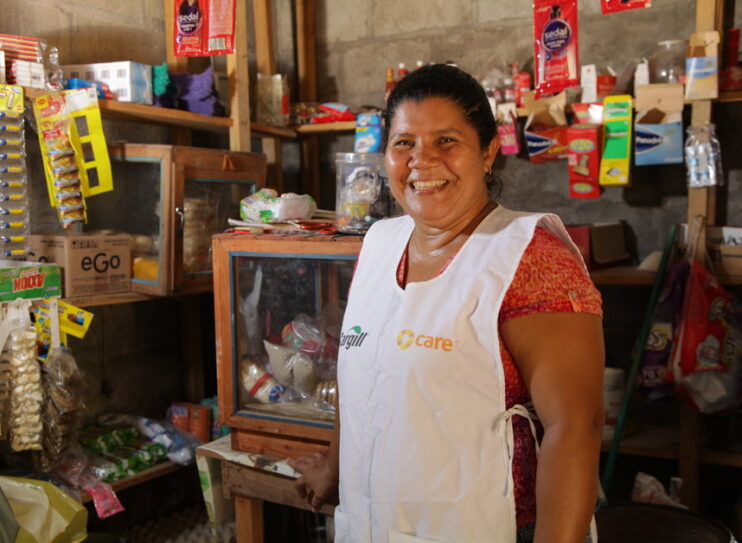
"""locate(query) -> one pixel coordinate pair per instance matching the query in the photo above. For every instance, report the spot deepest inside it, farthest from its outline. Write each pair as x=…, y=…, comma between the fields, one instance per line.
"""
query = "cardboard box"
x=91, y=263
x=724, y=244
x=617, y=141
x=128, y=81
x=546, y=128
x=702, y=66
x=583, y=160
x=29, y=280
x=658, y=128
x=601, y=244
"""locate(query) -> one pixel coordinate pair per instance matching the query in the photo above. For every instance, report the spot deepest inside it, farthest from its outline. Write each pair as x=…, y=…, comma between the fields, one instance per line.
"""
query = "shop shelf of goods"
x=648, y=441
x=148, y=474
x=108, y=299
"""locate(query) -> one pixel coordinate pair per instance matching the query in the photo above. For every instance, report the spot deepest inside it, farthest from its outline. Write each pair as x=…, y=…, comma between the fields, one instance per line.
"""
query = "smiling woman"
x=438, y=432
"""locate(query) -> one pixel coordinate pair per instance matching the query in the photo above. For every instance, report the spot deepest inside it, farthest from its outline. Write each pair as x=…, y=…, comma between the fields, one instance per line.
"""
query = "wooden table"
x=251, y=479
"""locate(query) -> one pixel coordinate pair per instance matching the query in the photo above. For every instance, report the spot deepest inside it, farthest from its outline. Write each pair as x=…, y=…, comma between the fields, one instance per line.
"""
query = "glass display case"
x=172, y=199
x=279, y=303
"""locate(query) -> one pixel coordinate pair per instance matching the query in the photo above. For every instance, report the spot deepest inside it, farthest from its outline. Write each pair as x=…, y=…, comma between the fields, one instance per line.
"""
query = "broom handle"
x=636, y=357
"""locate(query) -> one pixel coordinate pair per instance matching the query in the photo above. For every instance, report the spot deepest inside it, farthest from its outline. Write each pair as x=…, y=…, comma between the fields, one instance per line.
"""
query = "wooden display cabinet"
x=263, y=284
x=172, y=199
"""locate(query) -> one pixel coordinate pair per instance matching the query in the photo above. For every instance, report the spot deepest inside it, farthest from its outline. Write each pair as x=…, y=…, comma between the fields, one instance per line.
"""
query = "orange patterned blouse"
x=549, y=279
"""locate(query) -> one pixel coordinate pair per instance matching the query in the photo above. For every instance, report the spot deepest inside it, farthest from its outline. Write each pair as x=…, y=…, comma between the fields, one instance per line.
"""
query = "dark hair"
x=452, y=83
x=444, y=81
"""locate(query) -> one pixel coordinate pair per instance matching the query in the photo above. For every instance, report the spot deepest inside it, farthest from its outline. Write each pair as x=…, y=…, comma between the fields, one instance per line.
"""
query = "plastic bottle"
x=401, y=71
x=389, y=83
x=419, y=64
x=703, y=157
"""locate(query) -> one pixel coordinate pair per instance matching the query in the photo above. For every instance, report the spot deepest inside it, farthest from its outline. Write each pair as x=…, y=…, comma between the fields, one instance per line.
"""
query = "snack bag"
x=707, y=360
x=556, y=44
x=612, y=6
x=203, y=27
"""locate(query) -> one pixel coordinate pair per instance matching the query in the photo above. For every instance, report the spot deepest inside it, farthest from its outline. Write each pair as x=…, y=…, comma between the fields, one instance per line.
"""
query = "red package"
x=204, y=27
x=612, y=6
x=708, y=347
x=555, y=32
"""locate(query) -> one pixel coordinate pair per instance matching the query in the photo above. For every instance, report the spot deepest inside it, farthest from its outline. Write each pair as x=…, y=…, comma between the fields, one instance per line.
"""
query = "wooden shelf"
x=148, y=474
x=624, y=275
x=326, y=128
x=270, y=130
x=109, y=299
x=730, y=96
x=729, y=457
x=650, y=441
x=127, y=111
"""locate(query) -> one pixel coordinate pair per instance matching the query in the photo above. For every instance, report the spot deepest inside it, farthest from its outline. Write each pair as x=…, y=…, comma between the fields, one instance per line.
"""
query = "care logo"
x=352, y=338
x=408, y=338
x=405, y=339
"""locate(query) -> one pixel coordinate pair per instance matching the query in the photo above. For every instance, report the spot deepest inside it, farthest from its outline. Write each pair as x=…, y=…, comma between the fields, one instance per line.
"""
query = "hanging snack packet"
x=13, y=200
x=612, y=6
x=556, y=43
x=203, y=27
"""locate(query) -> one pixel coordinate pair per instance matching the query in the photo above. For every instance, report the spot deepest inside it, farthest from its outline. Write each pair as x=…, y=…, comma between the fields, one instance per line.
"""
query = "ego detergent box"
x=29, y=280
x=91, y=263
x=658, y=128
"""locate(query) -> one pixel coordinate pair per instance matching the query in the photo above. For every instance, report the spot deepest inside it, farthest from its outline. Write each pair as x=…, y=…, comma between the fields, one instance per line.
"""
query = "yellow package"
x=617, y=140
x=72, y=320
x=74, y=151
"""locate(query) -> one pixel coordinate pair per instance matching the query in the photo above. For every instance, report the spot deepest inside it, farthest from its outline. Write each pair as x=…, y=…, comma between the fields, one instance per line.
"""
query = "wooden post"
x=306, y=50
x=701, y=201
x=248, y=519
x=239, y=84
x=306, y=54
x=264, y=49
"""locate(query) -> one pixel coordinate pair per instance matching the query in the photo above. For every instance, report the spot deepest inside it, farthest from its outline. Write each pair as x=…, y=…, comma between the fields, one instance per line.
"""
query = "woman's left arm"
x=560, y=356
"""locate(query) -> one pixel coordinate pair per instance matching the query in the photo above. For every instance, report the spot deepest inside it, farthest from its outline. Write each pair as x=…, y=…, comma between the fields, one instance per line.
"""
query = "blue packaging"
x=368, y=133
x=658, y=130
x=658, y=143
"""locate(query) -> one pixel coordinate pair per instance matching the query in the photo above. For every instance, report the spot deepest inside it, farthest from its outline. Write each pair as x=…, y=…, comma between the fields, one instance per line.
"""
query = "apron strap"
x=505, y=427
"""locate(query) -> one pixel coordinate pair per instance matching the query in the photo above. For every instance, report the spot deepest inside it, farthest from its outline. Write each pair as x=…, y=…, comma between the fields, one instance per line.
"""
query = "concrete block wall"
x=358, y=40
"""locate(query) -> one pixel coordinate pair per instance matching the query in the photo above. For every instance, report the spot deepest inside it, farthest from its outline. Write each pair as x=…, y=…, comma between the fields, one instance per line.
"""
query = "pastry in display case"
x=279, y=303
x=172, y=199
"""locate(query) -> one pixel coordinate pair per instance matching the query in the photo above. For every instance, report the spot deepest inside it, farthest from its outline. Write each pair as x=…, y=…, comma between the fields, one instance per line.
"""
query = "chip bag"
x=707, y=360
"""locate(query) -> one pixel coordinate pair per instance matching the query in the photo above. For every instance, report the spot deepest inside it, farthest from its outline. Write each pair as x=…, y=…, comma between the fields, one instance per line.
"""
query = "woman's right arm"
x=318, y=483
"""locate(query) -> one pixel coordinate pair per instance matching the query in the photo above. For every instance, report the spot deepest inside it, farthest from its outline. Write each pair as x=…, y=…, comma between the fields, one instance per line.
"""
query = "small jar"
x=667, y=63
x=362, y=196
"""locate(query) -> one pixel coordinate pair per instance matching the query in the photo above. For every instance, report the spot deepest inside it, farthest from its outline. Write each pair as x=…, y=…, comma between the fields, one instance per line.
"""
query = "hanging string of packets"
x=13, y=176
x=74, y=151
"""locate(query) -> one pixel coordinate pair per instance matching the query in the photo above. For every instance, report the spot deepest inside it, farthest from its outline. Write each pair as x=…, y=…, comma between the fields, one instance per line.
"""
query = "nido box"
x=91, y=263
x=279, y=303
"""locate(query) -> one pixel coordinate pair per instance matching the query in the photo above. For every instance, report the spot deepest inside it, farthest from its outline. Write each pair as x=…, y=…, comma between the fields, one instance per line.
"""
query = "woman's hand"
x=319, y=481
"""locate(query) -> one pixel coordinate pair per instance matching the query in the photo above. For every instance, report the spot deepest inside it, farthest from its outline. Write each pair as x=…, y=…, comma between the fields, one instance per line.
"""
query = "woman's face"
x=435, y=163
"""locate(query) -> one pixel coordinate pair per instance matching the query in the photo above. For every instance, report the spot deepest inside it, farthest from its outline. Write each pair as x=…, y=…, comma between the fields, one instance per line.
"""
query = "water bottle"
x=703, y=157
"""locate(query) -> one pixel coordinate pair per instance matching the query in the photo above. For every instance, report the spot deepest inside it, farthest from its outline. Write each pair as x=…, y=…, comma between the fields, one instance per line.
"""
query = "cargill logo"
x=353, y=337
x=408, y=338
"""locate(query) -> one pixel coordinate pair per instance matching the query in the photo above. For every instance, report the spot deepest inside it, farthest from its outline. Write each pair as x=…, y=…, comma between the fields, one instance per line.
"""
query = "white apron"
x=425, y=440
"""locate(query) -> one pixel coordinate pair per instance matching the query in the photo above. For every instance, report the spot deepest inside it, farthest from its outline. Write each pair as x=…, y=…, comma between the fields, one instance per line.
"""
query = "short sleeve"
x=550, y=278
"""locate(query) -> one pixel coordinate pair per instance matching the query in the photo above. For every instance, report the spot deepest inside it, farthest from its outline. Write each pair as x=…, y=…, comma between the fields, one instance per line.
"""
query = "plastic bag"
x=708, y=353
x=63, y=386
x=76, y=470
x=180, y=446
x=656, y=373
x=44, y=513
